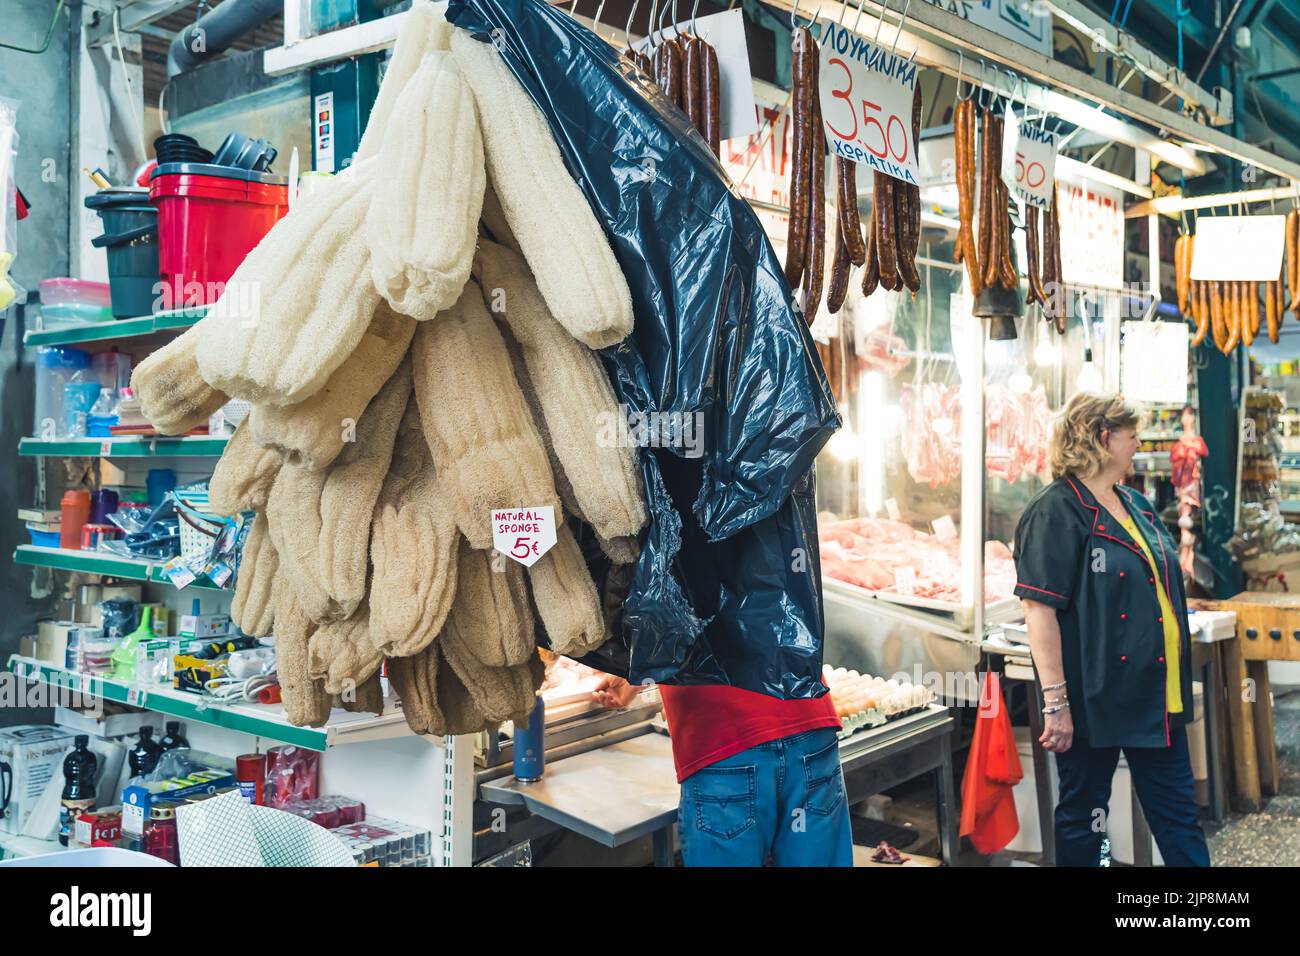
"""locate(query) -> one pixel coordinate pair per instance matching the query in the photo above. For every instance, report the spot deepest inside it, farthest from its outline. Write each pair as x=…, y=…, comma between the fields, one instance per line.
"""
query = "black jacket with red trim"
x=1073, y=556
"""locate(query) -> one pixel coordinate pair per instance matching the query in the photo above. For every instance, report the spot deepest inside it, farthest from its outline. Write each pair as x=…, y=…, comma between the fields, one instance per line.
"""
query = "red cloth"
x=988, y=809
x=711, y=722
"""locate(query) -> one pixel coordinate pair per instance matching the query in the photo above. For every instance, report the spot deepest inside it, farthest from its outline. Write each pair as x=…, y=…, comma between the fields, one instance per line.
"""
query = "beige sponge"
x=347, y=501
x=293, y=520
x=413, y=548
x=566, y=598
x=490, y=618
x=546, y=211
x=306, y=702
x=424, y=209
x=580, y=414
x=341, y=653
x=483, y=439
x=299, y=303
x=245, y=473
x=425, y=29
x=173, y=395
x=313, y=432
x=253, y=607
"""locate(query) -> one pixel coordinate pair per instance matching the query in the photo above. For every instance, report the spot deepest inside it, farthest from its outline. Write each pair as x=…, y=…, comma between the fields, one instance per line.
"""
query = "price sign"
x=945, y=529
x=523, y=534
x=866, y=101
x=1238, y=248
x=135, y=697
x=1028, y=160
x=905, y=579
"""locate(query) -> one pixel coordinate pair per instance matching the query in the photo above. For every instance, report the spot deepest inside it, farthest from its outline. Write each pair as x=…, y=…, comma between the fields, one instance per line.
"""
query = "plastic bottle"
x=530, y=746
x=174, y=739
x=79, y=768
x=74, y=511
x=124, y=656
x=143, y=757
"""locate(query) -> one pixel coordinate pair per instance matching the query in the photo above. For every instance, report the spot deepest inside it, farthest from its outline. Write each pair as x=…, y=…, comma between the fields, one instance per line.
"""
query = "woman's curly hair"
x=1076, y=439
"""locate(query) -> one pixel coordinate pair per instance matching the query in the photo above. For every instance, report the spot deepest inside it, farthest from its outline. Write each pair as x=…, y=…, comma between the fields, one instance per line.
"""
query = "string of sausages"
x=1232, y=312
x=805, y=248
x=685, y=68
x=894, y=231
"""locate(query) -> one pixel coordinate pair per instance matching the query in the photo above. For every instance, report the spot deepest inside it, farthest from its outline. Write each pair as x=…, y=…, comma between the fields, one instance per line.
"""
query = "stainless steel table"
x=623, y=791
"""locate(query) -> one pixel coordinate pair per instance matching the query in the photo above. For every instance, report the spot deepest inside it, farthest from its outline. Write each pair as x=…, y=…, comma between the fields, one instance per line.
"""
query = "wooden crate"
x=1268, y=624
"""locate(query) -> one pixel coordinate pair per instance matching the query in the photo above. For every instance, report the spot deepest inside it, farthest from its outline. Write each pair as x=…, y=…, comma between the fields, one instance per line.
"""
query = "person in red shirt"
x=760, y=776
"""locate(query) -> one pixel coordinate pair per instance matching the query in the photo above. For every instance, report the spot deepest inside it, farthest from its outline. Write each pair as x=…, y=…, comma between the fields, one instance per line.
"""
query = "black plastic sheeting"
x=728, y=586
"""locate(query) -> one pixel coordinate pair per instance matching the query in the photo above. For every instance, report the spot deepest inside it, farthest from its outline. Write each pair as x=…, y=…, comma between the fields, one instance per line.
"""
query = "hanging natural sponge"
x=566, y=598
x=299, y=302
x=490, y=618
x=293, y=520
x=173, y=395
x=480, y=432
x=500, y=693
x=306, y=702
x=253, y=608
x=313, y=432
x=342, y=655
x=425, y=29
x=424, y=209
x=244, y=474
x=413, y=548
x=546, y=211
x=580, y=414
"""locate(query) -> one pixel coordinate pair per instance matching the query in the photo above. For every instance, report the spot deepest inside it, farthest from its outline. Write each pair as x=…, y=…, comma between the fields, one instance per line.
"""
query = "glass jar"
x=160, y=838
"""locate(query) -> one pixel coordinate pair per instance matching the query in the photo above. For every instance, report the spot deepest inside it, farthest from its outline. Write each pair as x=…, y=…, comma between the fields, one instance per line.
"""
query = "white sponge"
x=547, y=212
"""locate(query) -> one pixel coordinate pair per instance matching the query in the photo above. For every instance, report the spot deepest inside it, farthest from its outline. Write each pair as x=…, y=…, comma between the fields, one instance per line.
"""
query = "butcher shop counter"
x=624, y=787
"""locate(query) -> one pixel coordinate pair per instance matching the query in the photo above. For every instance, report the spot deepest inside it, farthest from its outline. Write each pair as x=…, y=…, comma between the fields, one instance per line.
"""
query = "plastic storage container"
x=209, y=218
x=131, y=241
x=55, y=366
x=67, y=302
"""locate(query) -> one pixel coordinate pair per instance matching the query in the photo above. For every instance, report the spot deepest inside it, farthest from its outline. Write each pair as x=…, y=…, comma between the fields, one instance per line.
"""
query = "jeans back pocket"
x=725, y=800
x=824, y=780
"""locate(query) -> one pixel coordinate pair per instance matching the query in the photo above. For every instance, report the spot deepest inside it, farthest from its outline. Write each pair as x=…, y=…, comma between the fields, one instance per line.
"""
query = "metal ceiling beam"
x=1172, y=205
x=931, y=30
x=1217, y=106
x=130, y=18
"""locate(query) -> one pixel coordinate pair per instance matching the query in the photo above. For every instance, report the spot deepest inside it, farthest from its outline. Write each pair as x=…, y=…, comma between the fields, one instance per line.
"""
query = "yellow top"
x=1173, y=635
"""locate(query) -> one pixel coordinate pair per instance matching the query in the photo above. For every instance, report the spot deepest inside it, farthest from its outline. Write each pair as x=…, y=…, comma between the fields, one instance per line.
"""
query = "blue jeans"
x=1163, y=779
x=784, y=799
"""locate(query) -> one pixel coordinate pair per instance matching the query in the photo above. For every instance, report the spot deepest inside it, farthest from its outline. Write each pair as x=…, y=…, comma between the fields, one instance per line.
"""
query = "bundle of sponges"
x=408, y=377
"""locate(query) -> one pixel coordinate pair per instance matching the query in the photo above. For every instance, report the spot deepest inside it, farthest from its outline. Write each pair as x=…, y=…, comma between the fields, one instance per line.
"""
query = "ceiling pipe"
x=216, y=30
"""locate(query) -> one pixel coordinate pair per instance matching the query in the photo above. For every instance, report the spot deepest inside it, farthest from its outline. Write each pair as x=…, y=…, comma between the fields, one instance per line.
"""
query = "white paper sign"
x=725, y=32
x=1016, y=20
x=905, y=579
x=1092, y=233
x=866, y=101
x=1238, y=248
x=1028, y=161
x=524, y=534
x=1153, y=361
x=945, y=529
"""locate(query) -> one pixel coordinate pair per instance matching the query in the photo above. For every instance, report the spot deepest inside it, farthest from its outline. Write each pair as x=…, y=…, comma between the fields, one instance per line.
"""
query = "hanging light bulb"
x=1089, y=374
x=1046, y=352
x=1020, y=382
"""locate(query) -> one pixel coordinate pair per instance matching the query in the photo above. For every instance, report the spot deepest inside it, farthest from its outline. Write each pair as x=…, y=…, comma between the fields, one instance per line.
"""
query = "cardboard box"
x=204, y=627
x=34, y=755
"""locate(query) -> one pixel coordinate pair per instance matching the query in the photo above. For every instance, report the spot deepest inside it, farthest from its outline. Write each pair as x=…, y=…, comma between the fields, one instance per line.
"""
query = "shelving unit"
x=176, y=320
x=260, y=720
x=189, y=446
x=99, y=562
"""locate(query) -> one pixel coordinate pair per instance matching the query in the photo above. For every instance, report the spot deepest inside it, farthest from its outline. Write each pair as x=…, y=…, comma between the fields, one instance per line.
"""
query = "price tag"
x=1238, y=248
x=866, y=101
x=86, y=683
x=944, y=528
x=133, y=818
x=523, y=534
x=905, y=579
x=105, y=448
x=135, y=697
x=1028, y=160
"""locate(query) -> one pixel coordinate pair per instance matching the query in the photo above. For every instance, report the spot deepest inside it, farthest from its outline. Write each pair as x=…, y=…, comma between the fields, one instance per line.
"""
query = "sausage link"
x=815, y=278
x=1006, y=268
x=1251, y=307
x=691, y=79
x=846, y=176
x=963, y=200
x=1201, y=311
x=1180, y=279
x=839, y=287
x=1234, y=319
x=673, y=71
x=1058, y=273
x=711, y=91
x=882, y=201
x=871, y=272
x=1292, y=258
x=902, y=216
x=1274, y=306
x=1032, y=255
x=796, y=244
x=1258, y=314
x=1218, y=324
x=986, y=175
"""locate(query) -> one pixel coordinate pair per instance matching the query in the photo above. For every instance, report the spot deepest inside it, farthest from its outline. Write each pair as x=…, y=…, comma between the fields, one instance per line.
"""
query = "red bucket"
x=209, y=218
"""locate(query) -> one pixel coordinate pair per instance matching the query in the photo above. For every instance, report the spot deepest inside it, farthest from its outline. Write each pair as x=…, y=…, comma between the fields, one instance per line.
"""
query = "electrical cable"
x=229, y=690
x=130, y=88
x=49, y=33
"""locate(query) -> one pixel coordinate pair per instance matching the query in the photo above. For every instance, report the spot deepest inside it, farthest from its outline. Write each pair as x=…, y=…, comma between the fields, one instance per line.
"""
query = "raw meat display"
x=1019, y=426
x=875, y=553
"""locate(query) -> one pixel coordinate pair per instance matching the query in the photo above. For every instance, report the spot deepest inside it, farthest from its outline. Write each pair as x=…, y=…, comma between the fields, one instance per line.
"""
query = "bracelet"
x=1048, y=711
x=1056, y=700
x=1048, y=687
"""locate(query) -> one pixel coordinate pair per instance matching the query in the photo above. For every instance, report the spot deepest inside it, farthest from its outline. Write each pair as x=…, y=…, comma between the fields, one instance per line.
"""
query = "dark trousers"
x=1163, y=778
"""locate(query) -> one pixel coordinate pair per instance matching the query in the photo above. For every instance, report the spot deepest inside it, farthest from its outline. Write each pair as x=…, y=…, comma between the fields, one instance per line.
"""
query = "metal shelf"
x=127, y=446
x=175, y=320
x=98, y=562
x=260, y=720
x=14, y=846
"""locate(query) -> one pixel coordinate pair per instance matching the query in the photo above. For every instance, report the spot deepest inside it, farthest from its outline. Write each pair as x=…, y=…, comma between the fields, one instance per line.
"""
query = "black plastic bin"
x=131, y=240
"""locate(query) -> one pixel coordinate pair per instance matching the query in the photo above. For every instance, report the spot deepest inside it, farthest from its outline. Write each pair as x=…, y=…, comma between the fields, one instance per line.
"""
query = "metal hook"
x=793, y=11
x=884, y=5
x=899, y=30
x=595, y=21
x=694, y=10
x=627, y=27
x=858, y=19
x=676, y=33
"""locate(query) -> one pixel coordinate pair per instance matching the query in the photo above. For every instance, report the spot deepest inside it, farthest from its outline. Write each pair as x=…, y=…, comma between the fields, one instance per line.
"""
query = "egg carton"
x=862, y=720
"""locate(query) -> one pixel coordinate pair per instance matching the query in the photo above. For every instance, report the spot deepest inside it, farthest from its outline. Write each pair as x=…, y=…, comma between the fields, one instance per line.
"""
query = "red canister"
x=250, y=775
x=74, y=510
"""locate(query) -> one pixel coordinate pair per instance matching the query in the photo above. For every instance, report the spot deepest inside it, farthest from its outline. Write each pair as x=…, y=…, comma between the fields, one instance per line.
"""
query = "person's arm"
x=1045, y=645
